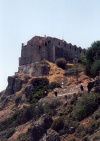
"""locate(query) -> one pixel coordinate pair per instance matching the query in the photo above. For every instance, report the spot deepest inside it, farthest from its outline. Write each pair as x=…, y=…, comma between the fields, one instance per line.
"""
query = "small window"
x=45, y=44
x=59, y=43
x=75, y=49
x=70, y=47
x=64, y=45
x=80, y=51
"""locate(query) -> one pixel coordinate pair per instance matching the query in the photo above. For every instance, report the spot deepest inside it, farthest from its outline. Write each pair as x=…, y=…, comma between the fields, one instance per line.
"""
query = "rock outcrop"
x=35, y=69
x=15, y=83
x=94, y=85
x=51, y=135
x=39, y=128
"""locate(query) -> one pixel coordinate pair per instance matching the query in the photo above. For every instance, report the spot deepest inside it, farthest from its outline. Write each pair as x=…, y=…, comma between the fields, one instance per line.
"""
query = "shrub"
x=93, y=57
x=93, y=126
x=95, y=68
x=7, y=133
x=40, y=85
x=96, y=115
x=70, y=126
x=58, y=124
x=10, y=132
x=50, y=108
x=21, y=117
x=54, y=85
x=86, y=106
x=83, y=60
x=81, y=131
x=67, y=110
x=61, y=62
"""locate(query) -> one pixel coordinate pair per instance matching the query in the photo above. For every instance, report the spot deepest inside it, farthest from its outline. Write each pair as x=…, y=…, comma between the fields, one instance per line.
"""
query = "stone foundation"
x=35, y=69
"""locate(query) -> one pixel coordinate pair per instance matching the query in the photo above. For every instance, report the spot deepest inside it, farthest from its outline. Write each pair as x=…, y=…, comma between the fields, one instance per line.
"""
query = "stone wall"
x=35, y=69
x=40, y=48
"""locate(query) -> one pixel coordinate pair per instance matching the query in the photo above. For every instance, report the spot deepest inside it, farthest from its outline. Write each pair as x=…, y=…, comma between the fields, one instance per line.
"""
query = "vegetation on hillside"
x=67, y=121
x=69, y=116
x=93, y=59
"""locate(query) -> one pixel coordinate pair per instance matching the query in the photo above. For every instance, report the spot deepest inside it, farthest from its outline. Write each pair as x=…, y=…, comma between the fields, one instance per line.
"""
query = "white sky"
x=77, y=21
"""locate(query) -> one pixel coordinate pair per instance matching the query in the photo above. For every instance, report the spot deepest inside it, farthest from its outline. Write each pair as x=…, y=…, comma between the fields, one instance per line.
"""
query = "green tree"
x=93, y=56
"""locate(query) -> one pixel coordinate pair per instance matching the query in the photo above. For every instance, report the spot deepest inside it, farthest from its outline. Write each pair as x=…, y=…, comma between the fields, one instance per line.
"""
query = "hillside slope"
x=26, y=110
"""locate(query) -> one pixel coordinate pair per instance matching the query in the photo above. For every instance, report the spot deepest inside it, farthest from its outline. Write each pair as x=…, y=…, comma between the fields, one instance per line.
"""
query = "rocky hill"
x=30, y=110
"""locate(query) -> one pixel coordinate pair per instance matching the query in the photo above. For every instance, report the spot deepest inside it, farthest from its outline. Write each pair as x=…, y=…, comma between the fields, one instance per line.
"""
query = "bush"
x=70, y=126
x=54, y=85
x=50, y=108
x=93, y=57
x=61, y=62
x=96, y=115
x=67, y=110
x=21, y=117
x=93, y=126
x=7, y=133
x=83, y=60
x=81, y=131
x=40, y=85
x=58, y=124
x=86, y=106
x=95, y=68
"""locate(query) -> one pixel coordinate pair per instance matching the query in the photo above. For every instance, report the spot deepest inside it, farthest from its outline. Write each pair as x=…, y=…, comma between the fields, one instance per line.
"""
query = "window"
x=45, y=44
x=70, y=47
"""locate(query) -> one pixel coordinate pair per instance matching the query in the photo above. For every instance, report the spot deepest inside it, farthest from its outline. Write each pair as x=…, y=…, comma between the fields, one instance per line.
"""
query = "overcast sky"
x=77, y=21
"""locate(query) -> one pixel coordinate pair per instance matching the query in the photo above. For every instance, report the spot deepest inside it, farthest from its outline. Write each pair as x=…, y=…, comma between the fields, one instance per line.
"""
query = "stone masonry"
x=39, y=48
x=47, y=48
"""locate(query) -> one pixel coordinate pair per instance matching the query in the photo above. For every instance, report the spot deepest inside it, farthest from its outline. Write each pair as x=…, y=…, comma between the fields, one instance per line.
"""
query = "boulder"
x=14, y=84
x=9, y=89
x=39, y=128
x=94, y=86
x=51, y=135
x=17, y=84
x=90, y=86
